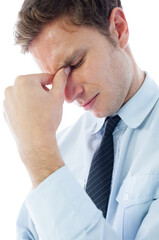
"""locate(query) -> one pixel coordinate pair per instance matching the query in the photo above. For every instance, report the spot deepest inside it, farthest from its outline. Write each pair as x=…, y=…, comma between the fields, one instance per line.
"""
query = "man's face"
x=100, y=77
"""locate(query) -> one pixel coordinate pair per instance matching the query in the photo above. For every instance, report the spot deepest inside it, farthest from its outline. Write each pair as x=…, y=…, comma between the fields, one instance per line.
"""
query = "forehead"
x=58, y=41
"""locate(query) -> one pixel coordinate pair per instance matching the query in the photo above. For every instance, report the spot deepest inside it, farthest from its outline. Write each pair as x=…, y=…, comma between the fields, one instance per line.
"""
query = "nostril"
x=68, y=100
x=73, y=93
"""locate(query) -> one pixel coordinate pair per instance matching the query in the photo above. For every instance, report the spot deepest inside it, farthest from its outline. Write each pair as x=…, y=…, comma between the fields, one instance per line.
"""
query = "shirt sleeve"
x=25, y=228
x=61, y=209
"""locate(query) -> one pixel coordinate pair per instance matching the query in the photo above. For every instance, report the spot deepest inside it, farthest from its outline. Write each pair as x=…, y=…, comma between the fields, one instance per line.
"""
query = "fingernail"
x=67, y=70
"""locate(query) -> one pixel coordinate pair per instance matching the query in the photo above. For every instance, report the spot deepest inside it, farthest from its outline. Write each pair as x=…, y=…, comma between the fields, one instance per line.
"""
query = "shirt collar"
x=134, y=112
x=98, y=123
x=137, y=108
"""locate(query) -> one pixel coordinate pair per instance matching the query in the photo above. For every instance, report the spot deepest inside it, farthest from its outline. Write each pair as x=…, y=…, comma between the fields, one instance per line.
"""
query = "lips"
x=84, y=105
x=89, y=103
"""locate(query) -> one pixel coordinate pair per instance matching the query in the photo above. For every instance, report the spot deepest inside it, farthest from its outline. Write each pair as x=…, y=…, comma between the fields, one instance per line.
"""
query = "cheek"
x=92, y=73
x=80, y=76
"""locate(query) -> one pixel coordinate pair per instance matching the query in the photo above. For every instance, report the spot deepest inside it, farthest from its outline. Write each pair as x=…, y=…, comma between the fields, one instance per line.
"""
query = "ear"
x=118, y=27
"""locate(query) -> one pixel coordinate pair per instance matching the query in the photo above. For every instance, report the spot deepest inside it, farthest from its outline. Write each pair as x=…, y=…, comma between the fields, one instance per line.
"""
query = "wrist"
x=41, y=161
x=40, y=175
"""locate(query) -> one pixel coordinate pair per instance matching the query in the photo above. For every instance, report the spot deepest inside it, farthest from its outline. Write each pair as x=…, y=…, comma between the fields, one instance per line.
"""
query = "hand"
x=33, y=114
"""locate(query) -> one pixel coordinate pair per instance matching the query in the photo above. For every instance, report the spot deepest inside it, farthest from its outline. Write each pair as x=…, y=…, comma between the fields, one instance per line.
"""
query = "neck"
x=138, y=76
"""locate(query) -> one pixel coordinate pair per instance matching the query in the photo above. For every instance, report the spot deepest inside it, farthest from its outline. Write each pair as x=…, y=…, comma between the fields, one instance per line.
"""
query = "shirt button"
x=126, y=197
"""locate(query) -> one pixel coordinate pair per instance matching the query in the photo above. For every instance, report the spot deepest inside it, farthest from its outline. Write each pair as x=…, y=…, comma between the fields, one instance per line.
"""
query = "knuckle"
x=4, y=116
x=4, y=106
x=19, y=80
x=7, y=91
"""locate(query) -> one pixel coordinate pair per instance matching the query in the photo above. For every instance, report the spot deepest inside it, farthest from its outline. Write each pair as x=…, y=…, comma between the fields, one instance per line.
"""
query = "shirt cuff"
x=60, y=208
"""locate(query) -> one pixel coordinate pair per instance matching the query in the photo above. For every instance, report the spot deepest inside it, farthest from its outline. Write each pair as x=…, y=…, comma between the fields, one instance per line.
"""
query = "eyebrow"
x=75, y=54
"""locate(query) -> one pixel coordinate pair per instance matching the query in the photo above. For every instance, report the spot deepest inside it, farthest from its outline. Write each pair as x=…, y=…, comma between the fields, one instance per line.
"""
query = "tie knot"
x=111, y=124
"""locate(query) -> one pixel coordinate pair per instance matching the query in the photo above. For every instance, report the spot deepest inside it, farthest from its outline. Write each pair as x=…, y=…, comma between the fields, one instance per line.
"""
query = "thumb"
x=59, y=82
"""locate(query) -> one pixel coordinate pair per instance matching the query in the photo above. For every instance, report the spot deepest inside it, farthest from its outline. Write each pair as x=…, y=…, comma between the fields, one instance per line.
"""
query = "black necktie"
x=100, y=174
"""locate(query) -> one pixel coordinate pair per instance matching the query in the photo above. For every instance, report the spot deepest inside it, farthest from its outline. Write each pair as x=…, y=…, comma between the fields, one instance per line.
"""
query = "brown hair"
x=35, y=14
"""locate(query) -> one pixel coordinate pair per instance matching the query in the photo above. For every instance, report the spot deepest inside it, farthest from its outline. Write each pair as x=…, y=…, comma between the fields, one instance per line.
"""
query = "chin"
x=105, y=113
x=98, y=114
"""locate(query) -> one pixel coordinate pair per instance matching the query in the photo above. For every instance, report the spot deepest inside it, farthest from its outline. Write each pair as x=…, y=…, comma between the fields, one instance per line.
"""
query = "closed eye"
x=73, y=67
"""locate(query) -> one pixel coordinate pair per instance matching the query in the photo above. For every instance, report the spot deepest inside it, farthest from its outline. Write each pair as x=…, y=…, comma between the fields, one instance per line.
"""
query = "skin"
x=105, y=73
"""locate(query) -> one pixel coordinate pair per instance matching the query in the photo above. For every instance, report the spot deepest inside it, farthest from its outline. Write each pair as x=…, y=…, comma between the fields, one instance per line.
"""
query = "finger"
x=42, y=78
x=5, y=111
x=7, y=91
x=59, y=81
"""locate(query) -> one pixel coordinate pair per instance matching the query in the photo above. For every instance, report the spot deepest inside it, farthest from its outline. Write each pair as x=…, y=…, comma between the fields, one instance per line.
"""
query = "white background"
x=143, y=20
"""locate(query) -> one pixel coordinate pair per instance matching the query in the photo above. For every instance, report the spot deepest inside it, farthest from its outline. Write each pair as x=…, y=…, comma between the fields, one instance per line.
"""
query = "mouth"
x=88, y=105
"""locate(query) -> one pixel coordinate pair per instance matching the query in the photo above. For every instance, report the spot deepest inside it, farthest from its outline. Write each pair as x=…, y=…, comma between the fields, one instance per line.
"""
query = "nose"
x=73, y=91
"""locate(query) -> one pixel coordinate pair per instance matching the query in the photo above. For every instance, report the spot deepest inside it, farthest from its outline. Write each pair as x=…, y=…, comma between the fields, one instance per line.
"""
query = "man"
x=82, y=48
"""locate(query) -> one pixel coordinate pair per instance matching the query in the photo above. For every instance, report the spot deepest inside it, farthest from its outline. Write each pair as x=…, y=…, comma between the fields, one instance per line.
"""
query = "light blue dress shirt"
x=60, y=209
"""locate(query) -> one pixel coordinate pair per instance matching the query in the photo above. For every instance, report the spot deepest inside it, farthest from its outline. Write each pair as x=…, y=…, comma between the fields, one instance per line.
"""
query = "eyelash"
x=76, y=65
